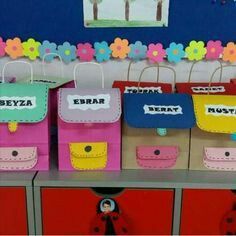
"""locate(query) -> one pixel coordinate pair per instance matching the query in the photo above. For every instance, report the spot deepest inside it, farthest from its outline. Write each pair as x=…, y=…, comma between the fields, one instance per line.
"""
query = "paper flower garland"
x=175, y=52
x=195, y=51
x=67, y=52
x=14, y=48
x=102, y=51
x=46, y=48
x=229, y=53
x=156, y=53
x=85, y=52
x=120, y=48
x=214, y=50
x=137, y=51
x=30, y=49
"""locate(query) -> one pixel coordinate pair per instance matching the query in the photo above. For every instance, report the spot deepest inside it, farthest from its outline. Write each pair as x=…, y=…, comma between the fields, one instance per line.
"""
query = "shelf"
x=16, y=178
x=138, y=179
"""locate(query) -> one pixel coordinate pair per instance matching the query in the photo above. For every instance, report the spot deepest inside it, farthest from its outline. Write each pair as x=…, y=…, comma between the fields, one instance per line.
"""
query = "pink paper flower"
x=156, y=53
x=85, y=52
x=2, y=48
x=214, y=50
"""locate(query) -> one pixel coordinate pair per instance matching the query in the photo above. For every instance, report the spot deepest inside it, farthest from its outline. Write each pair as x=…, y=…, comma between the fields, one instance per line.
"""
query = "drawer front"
x=13, y=210
x=208, y=212
x=73, y=210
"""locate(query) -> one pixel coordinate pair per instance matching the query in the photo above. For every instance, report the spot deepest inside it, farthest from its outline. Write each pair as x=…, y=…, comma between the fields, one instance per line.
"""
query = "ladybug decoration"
x=228, y=223
x=109, y=220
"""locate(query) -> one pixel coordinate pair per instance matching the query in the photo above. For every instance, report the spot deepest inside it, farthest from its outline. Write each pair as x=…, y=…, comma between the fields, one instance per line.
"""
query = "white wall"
x=117, y=70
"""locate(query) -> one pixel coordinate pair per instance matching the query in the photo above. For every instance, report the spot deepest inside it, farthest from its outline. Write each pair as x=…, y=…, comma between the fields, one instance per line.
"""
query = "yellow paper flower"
x=195, y=51
x=229, y=52
x=120, y=48
x=31, y=49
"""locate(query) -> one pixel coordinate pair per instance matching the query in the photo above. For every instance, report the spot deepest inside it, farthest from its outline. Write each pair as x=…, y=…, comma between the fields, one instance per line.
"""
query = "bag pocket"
x=157, y=157
x=18, y=158
x=88, y=156
x=220, y=158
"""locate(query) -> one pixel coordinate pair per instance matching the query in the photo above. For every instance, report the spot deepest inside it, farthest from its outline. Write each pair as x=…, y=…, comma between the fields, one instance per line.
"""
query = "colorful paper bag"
x=89, y=128
x=211, y=145
x=24, y=127
x=54, y=83
x=145, y=87
x=206, y=87
x=144, y=114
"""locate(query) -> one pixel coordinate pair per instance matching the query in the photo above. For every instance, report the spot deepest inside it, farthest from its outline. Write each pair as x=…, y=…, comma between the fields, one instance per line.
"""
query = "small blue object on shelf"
x=233, y=137
x=162, y=131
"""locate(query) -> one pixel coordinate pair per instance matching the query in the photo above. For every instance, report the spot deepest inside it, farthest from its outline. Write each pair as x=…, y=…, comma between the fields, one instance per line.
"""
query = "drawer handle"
x=105, y=192
x=233, y=191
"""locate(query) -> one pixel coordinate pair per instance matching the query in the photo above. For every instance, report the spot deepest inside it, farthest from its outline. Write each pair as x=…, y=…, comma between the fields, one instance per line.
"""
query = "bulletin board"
x=62, y=20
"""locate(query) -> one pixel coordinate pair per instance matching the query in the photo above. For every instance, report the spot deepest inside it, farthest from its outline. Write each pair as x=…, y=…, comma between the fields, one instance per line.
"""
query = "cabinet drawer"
x=208, y=212
x=73, y=211
x=13, y=210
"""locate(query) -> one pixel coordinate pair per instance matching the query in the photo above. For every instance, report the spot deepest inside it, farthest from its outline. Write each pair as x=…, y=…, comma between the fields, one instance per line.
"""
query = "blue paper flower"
x=47, y=47
x=137, y=51
x=175, y=52
x=67, y=52
x=102, y=51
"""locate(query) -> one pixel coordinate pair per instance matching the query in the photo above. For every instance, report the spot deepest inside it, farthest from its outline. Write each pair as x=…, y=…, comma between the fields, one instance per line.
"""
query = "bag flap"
x=51, y=81
x=23, y=103
x=157, y=152
x=215, y=113
x=18, y=154
x=8, y=79
x=89, y=105
x=203, y=88
x=159, y=111
x=145, y=87
x=86, y=150
x=220, y=154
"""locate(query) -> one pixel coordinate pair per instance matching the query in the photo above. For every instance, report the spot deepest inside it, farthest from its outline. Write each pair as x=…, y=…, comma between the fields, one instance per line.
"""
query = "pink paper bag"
x=89, y=132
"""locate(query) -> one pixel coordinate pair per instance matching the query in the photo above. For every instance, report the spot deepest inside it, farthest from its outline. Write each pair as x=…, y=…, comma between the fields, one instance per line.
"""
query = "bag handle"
x=52, y=54
x=158, y=66
x=191, y=70
x=129, y=69
x=214, y=72
x=88, y=63
x=19, y=62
